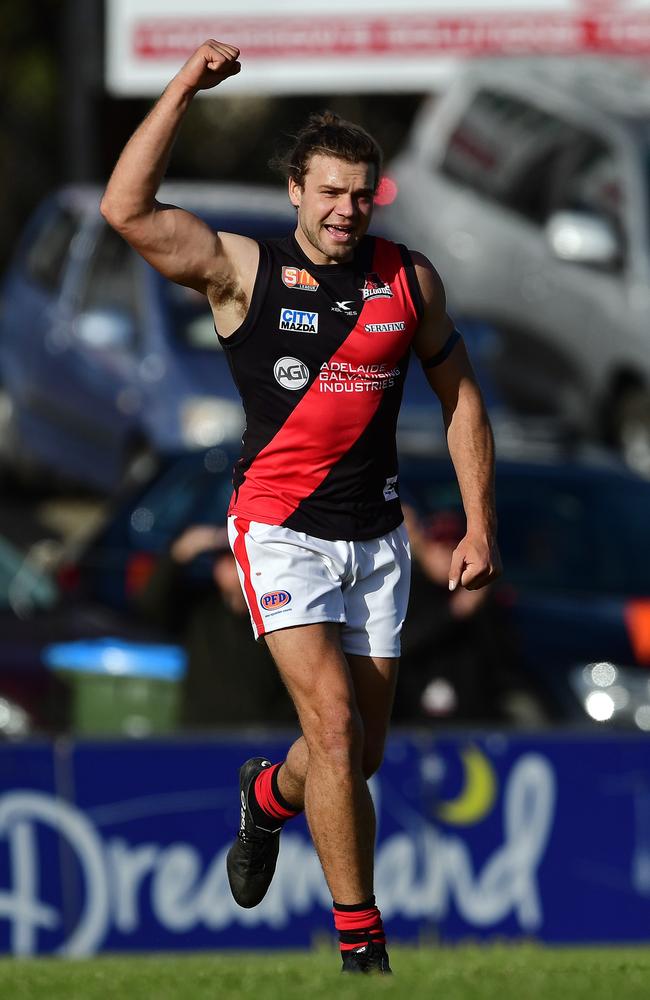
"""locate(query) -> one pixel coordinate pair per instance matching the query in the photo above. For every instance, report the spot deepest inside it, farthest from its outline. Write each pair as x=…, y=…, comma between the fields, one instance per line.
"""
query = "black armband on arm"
x=444, y=352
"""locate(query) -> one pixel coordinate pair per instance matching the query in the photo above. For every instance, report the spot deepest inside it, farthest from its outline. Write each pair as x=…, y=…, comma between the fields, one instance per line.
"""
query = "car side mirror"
x=583, y=239
x=105, y=329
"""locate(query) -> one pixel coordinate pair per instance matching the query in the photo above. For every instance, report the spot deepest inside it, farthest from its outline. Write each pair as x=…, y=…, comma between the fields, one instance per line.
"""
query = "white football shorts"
x=290, y=578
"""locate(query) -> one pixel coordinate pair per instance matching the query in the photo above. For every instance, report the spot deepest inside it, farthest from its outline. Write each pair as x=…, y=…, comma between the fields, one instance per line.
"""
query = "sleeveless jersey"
x=320, y=363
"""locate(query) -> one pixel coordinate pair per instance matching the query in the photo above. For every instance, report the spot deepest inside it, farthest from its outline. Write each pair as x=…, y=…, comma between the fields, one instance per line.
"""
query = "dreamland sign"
x=121, y=846
x=372, y=45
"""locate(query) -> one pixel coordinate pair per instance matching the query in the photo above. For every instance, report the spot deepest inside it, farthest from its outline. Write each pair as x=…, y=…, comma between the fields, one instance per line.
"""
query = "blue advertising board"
x=121, y=846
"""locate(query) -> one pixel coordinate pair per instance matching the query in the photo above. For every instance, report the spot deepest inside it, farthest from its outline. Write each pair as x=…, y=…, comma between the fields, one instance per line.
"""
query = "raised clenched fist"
x=212, y=63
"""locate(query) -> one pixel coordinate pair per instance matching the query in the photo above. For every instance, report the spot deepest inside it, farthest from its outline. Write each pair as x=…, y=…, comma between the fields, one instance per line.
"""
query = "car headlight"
x=611, y=693
x=206, y=421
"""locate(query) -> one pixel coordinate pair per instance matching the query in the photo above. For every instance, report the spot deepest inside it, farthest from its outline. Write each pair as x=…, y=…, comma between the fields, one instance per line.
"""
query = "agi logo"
x=290, y=373
x=298, y=320
x=297, y=277
x=274, y=599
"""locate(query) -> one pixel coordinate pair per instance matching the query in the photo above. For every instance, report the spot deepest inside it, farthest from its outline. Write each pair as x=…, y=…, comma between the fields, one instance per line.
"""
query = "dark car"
x=101, y=359
x=572, y=534
x=576, y=551
x=115, y=564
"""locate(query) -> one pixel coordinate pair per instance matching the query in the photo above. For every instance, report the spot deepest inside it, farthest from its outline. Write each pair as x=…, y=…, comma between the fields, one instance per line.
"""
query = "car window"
x=496, y=144
x=545, y=538
x=190, y=316
x=110, y=279
x=47, y=254
x=560, y=535
x=586, y=177
x=534, y=162
x=194, y=490
x=187, y=311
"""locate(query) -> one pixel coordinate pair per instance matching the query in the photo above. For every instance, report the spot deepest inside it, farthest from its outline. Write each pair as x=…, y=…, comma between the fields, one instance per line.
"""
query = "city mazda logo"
x=291, y=373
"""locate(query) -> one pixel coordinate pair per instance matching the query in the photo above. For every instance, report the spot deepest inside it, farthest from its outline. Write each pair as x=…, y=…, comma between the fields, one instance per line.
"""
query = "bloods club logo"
x=298, y=320
x=375, y=288
x=297, y=277
x=291, y=373
x=275, y=599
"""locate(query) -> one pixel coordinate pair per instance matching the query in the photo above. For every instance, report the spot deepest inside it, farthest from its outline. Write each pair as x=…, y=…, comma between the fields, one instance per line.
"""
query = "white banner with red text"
x=331, y=46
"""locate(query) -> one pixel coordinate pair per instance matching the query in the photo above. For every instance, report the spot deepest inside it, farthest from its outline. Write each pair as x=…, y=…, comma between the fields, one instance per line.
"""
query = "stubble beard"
x=333, y=252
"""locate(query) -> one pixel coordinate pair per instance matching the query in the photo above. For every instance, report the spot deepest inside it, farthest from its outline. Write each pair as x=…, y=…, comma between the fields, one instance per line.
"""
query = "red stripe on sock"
x=241, y=555
x=265, y=798
x=362, y=922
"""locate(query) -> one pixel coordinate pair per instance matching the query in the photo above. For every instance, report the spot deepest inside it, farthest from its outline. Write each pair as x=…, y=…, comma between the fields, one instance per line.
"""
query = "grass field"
x=464, y=973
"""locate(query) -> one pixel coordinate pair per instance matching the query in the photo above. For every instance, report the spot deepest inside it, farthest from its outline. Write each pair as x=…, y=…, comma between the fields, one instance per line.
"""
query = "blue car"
x=573, y=536
x=104, y=362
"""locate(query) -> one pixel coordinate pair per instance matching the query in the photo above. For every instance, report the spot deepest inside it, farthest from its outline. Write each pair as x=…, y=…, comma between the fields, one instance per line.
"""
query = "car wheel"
x=631, y=424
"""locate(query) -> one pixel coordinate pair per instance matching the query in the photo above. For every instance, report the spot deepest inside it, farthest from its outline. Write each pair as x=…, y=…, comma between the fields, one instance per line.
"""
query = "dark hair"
x=326, y=133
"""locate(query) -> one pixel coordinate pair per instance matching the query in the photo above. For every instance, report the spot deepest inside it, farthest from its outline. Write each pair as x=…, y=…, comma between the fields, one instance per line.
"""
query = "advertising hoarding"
x=328, y=46
x=120, y=846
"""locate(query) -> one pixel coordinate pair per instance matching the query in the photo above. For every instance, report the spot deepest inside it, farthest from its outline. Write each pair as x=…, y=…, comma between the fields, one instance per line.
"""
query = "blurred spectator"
x=231, y=679
x=459, y=660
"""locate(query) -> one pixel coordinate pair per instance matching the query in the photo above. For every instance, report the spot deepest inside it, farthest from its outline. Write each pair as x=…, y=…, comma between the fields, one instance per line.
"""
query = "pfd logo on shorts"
x=275, y=599
x=297, y=277
x=298, y=320
x=375, y=287
x=291, y=373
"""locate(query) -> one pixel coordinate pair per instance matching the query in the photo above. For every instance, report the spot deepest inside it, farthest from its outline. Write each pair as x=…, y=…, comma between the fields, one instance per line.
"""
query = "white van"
x=527, y=183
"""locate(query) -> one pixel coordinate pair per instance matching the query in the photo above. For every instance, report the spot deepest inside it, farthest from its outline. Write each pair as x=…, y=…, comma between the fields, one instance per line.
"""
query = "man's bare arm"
x=476, y=560
x=176, y=242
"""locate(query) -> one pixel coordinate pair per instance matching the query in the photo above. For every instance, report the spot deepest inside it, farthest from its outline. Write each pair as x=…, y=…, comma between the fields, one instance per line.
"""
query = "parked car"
x=527, y=184
x=115, y=563
x=575, y=547
x=572, y=534
x=102, y=361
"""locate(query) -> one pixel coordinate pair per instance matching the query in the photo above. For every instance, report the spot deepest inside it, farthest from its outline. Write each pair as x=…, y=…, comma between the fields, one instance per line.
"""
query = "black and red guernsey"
x=320, y=363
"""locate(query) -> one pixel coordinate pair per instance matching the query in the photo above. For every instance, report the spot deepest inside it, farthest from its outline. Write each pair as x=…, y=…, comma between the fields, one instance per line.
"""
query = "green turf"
x=465, y=973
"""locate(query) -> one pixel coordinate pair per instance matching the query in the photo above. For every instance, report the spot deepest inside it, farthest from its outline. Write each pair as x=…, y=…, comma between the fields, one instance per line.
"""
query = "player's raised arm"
x=176, y=242
x=441, y=350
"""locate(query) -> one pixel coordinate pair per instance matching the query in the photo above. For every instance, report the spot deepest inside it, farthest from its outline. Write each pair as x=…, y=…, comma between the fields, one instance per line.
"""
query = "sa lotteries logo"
x=298, y=277
x=291, y=373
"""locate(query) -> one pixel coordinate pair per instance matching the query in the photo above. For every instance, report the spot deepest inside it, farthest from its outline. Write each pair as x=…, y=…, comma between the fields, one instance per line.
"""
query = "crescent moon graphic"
x=477, y=795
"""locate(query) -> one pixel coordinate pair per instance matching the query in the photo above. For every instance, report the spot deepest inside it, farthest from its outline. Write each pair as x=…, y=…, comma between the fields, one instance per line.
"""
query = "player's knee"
x=337, y=733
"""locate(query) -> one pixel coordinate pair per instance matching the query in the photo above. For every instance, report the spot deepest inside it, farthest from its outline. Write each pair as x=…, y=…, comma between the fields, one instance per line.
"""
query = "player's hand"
x=475, y=562
x=211, y=64
x=196, y=539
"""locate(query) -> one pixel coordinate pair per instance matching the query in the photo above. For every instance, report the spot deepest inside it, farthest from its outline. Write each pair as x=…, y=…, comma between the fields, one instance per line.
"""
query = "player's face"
x=334, y=207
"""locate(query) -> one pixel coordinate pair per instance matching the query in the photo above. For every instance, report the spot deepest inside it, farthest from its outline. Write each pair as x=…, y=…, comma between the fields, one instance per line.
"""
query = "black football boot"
x=252, y=858
x=371, y=958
